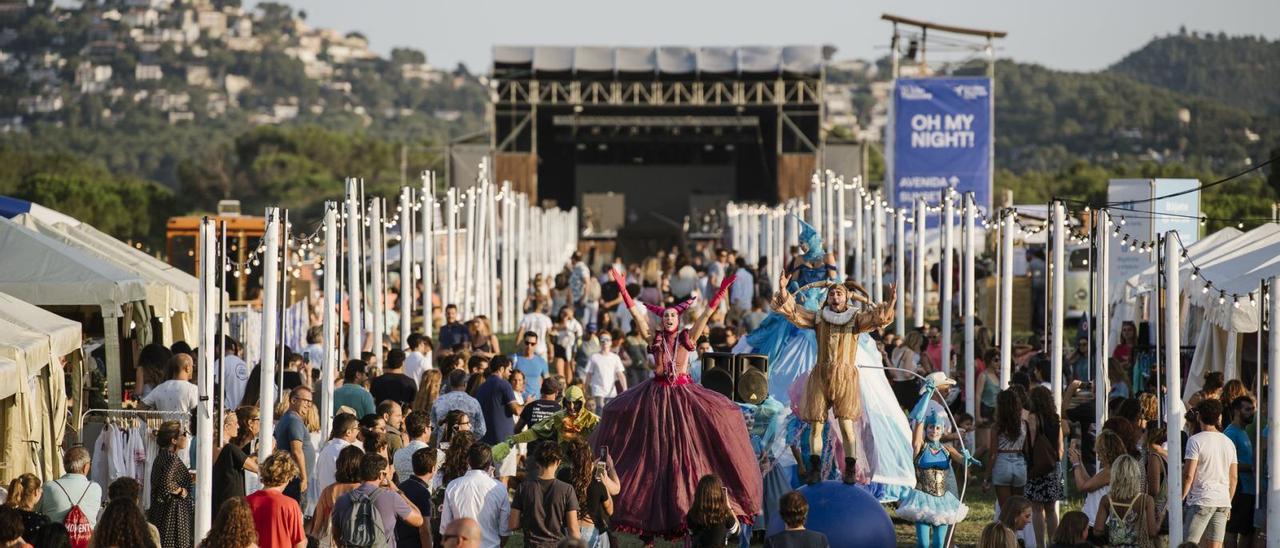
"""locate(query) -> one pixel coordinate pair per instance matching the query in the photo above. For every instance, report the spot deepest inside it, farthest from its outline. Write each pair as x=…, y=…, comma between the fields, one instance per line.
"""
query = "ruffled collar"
x=837, y=318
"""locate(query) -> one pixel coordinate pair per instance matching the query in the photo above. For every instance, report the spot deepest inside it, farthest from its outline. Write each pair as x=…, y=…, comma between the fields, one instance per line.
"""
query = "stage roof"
x=665, y=59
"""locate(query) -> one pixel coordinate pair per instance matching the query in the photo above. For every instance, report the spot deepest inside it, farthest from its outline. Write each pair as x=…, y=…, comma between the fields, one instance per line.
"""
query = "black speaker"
x=743, y=378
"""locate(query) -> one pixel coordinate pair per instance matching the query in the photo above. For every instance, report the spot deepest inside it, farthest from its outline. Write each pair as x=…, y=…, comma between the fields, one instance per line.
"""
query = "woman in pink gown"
x=667, y=432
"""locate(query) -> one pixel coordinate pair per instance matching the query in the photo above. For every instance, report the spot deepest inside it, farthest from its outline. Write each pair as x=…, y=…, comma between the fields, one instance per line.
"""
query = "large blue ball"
x=847, y=514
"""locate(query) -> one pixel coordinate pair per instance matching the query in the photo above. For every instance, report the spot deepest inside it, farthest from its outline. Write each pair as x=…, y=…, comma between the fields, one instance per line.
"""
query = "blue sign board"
x=940, y=136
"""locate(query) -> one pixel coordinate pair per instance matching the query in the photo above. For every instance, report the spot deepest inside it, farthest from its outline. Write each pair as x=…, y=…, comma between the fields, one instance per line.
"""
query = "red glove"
x=724, y=288
x=622, y=288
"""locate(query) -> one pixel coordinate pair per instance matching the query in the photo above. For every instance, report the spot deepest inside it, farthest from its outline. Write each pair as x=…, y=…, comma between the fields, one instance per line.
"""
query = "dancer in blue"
x=791, y=350
x=933, y=509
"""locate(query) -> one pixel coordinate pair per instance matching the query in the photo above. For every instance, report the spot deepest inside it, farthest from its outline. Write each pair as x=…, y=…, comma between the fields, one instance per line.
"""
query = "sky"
x=1081, y=35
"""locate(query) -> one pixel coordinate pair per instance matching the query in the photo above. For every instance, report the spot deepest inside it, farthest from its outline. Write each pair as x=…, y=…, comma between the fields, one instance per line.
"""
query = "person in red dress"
x=668, y=432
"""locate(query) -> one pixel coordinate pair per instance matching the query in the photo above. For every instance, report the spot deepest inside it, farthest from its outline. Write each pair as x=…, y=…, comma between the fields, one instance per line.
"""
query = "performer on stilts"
x=833, y=383
x=666, y=433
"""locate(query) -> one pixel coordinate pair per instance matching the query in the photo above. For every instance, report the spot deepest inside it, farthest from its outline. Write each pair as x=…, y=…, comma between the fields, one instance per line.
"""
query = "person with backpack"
x=277, y=516
x=366, y=516
x=72, y=499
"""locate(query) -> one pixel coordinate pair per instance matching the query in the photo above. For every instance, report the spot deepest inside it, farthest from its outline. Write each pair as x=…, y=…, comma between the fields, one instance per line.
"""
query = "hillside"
x=1240, y=71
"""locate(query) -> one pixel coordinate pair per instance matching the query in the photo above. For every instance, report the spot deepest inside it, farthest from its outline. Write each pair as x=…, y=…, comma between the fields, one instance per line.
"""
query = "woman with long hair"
x=1045, y=490
x=710, y=519
x=1108, y=448
x=172, y=507
x=454, y=422
x=908, y=356
x=1214, y=383
x=996, y=535
x=232, y=461
x=594, y=503
x=1007, y=468
x=346, y=477
x=122, y=524
x=1073, y=531
x=483, y=341
x=24, y=495
x=455, y=458
x=1015, y=513
x=989, y=384
x=428, y=391
x=1128, y=341
x=233, y=526
x=1126, y=515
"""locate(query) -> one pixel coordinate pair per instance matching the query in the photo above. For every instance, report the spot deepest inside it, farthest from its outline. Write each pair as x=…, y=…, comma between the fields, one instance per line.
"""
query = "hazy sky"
x=1071, y=35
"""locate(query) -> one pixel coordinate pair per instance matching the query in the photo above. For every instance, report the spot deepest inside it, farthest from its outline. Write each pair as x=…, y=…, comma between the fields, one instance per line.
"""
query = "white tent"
x=22, y=410
x=45, y=272
x=47, y=413
x=1145, y=281
x=171, y=293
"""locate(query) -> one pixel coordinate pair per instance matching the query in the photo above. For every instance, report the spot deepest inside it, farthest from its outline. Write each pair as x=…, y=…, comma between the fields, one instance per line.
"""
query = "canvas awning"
x=64, y=334
x=1145, y=281
x=46, y=272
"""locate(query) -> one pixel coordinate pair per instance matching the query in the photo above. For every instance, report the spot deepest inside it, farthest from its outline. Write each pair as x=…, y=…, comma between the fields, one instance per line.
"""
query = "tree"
x=407, y=56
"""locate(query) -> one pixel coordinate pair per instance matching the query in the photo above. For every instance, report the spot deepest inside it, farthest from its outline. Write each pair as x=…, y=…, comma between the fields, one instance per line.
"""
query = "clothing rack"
x=111, y=415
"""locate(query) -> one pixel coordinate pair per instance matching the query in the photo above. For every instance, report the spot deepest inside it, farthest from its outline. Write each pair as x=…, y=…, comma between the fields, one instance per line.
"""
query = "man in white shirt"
x=346, y=429
x=742, y=291
x=235, y=375
x=418, y=360
x=178, y=393
x=1209, y=477
x=537, y=321
x=603, y=371
x=418, y=426
x=478, y=496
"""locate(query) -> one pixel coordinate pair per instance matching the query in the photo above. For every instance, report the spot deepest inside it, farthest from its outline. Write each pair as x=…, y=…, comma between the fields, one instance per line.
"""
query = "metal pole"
x=1059, y=299
x=1102, y=315
x=355, y=332
x=377, y=255
x=858, y=258
x=329, y=366
x=428, y=249
x=967, y=245
x=1273, y=405
x=841, y=245
x=1173, y=370
x=267, y=350
x=877, y=233
x=467, y=282
x=918, y=297
x=204, y=416
x=1006, y=296
x=899, y=270
x=406, y=266
x=945, y=291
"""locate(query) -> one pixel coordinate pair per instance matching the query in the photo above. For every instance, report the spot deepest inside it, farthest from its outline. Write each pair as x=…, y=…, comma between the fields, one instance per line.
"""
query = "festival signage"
x=940, y=136
x=1146, y=218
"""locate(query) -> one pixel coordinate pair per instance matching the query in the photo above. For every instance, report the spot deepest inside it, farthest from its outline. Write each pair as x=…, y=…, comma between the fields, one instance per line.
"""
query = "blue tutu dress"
x=791, y=350
x=919, y=506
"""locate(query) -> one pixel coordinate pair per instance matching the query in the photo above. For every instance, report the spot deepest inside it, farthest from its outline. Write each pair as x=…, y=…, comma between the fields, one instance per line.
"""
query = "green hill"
x=1240, y=71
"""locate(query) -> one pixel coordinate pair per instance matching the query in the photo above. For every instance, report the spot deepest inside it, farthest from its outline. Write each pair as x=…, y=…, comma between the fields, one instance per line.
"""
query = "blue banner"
x=940, y=137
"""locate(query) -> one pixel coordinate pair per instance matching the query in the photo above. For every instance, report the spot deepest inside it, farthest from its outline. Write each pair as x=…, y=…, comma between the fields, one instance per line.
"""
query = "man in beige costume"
x=833, y=383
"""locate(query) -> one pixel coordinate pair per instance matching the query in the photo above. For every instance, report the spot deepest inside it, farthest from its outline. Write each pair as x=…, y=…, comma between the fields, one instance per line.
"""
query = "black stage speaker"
x=743, y=378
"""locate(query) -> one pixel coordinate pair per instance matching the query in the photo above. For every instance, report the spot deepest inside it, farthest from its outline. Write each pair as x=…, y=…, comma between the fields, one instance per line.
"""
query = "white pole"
x=204, y=417
x=815, y=204
x=918, y=293
x=508, y=277
x=900, y=270
x=330, y=314
x=354, y=332
x=945, y=290
x=406, y=266
x=468, y=260
x=1273, y=407
x=1006, y=297
x=377, y=254
x=523, y=253
x=1173, y=372
x=492, y=282
x=828, y=206
x=841, y=243
x=1102, y=315
x=970, y=251
x=1059, y=299
x=428, y=248
x=877, y=233
x=267, y=350
x=859, y=261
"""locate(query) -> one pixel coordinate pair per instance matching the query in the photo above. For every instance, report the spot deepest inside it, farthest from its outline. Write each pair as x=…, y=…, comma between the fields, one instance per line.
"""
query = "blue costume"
x=933, y=509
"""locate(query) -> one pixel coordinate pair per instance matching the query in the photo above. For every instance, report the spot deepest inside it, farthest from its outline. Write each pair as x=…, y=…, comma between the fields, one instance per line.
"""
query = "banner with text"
x=939, y=137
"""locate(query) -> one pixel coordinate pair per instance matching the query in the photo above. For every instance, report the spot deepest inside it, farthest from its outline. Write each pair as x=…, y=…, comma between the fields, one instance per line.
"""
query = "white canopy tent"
x=45, y=272
x=171, y=293
x=63, y=338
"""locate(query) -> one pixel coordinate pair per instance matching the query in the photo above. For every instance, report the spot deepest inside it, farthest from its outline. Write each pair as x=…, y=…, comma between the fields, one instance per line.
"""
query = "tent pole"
x=267, y=351
x=1273, y=404
x=405, y=299
x=1010, y=225
x=1059, y=300
x=330, y=312
x=918, y=294
x=946, y=289
x=204, y=415
x=967, y=247
x=354, y=299
x=899, y=270
x=1173, y=369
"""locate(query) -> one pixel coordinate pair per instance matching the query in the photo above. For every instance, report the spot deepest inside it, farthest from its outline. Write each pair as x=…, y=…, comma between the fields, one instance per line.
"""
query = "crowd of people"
x=455, y=441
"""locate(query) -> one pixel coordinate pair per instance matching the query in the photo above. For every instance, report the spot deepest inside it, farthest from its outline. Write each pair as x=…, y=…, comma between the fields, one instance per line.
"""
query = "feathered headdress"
x=812, y=240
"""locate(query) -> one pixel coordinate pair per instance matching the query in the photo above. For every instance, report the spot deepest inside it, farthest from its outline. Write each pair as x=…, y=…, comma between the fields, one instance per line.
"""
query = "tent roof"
x=1144, y=281
x=43, y=271
x=30, y=350
x=1257, y=248
x=12, y=377
x=64, y=335
x=10, y=207
x=167, y=287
